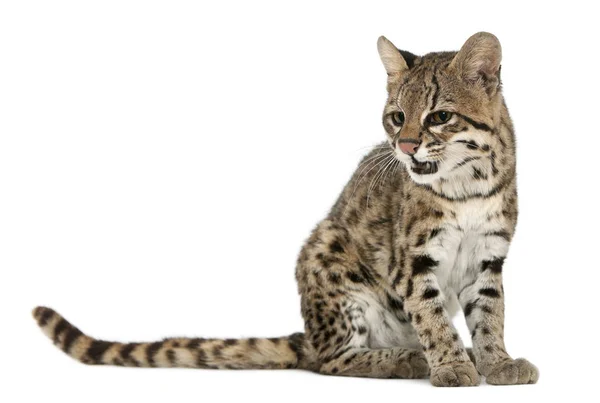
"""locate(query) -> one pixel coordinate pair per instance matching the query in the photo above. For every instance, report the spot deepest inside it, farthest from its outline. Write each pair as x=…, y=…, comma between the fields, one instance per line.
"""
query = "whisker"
x=378, y=176
x=360, y=179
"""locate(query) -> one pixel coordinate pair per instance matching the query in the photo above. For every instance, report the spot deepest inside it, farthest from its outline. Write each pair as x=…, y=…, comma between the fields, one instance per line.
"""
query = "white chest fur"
x=467, y=238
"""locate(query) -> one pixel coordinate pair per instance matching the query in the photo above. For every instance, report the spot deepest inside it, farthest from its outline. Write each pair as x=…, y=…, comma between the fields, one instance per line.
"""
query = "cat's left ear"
x=478, y=61
x=391, y=58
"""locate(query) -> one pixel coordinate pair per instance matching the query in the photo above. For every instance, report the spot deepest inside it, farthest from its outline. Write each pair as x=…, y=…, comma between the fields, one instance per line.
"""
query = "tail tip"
x=42, y=313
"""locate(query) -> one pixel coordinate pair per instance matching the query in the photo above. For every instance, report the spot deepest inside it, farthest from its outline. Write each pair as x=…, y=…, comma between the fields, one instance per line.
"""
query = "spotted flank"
x=420, y=233
x=250, y=353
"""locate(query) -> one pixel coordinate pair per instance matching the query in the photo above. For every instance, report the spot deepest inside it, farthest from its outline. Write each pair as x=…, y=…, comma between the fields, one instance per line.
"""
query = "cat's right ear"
x=392, y=59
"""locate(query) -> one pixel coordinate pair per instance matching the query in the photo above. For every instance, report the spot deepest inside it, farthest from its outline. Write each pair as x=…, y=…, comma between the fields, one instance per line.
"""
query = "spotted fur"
x=413, y=238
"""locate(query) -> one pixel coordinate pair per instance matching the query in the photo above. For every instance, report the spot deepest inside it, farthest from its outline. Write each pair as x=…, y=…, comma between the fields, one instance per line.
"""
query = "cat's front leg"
x=483, y=306
x=425, y=304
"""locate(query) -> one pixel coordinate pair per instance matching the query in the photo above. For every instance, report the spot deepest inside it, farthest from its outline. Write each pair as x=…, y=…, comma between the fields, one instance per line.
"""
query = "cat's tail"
x=252, y=353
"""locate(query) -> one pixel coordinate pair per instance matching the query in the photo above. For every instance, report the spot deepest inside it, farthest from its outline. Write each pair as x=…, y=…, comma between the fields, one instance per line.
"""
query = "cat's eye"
x=398, y=118
x=437, y=118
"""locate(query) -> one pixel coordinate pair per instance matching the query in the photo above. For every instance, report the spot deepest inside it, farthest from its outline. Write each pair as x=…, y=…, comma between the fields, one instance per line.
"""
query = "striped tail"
x=251, y=353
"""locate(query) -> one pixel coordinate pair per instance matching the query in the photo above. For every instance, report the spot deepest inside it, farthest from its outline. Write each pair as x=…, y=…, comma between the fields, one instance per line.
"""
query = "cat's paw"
x=419, y=366
x=513, y=372
x=455, y=374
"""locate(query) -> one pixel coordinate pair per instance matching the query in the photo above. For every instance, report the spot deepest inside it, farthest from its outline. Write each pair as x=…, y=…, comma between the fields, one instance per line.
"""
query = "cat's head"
x=443, y=108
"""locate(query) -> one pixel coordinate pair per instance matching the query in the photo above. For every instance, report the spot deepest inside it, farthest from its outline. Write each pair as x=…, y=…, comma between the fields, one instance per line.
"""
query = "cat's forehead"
x=426, y=70
x=430, y=84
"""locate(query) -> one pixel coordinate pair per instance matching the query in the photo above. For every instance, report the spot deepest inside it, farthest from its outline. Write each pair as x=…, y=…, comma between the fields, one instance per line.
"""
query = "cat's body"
x=421, y=230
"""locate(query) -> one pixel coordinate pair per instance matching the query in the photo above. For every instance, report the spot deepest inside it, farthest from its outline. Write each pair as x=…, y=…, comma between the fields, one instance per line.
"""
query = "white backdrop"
x=151, y=151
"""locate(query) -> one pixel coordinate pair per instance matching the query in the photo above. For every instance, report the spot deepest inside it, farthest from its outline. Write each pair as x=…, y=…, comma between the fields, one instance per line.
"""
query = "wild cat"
x=421, y=230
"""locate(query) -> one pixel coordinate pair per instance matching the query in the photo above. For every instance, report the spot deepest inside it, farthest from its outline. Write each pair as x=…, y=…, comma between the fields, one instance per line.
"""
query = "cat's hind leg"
x=350, y=328
x=349, y=339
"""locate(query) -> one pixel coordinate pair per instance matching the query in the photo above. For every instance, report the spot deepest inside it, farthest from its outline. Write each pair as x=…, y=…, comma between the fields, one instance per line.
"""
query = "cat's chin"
x=422, y=179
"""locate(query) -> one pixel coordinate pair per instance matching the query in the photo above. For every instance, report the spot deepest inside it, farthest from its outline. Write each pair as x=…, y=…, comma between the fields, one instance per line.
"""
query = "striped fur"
x=250, y=353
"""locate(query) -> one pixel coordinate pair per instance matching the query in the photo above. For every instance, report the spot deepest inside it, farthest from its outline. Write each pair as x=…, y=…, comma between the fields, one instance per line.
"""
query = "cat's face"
x=439, y=117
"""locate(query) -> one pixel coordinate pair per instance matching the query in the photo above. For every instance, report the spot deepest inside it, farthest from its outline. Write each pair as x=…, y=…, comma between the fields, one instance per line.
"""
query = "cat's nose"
x=409, y=147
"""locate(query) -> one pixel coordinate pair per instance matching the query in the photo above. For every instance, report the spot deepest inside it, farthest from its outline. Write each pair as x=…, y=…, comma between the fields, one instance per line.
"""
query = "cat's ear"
x=391, y=58
x=479, y=60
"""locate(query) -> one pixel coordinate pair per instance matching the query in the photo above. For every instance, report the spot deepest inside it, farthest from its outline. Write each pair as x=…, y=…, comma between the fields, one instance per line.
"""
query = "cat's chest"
x=465, y=240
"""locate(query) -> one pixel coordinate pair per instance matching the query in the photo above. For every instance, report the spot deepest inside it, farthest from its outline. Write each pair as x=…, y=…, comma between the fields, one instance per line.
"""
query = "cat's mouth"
x=424, y=168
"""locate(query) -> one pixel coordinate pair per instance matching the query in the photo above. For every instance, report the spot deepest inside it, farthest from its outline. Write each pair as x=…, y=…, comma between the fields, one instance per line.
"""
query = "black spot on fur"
x=421, y=240
x=355, y=278
x=334, y=278
x=430, y=293
x=438, y=214
x=394, y=303
x=495, y=265
x=326, y=260
x=336, y=247
x=44, y=316
x=479, y=174
x=502, y=234
x=489, y=292
x=366, y=273
x=434, y=232
x=397, y=278
x=469, y=308
x=422, y=264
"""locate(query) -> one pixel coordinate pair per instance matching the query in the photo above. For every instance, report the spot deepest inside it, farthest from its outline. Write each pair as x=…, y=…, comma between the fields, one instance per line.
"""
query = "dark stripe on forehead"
x=427, y=93
x=436, y=92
